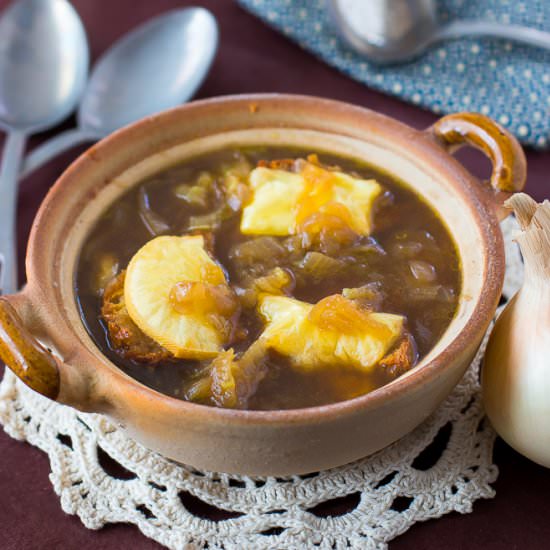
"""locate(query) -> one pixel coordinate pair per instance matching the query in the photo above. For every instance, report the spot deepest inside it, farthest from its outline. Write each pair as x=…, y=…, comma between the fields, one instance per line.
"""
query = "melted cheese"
x=291, y=330
x=282, y=201
x=152, y=274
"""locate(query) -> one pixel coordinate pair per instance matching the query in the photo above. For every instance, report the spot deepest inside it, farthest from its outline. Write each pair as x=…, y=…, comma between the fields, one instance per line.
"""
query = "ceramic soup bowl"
x=44, y=342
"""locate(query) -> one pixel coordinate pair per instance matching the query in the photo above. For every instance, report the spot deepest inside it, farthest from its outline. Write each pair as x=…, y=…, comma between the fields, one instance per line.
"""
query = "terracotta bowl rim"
x=482, y=308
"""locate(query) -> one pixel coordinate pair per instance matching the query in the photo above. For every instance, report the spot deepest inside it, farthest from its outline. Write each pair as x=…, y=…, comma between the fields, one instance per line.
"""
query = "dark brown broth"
x=401, y=217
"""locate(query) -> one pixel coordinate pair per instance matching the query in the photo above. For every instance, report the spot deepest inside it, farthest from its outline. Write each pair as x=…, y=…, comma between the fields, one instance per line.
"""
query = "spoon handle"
x=517, y=33
x=53, y=147
x=9, y=172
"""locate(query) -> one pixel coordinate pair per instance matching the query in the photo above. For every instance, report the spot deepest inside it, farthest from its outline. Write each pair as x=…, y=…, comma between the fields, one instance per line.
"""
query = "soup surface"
x=254, y=278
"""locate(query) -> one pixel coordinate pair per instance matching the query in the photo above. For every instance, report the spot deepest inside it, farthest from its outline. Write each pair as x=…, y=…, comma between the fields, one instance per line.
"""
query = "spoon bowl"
x=395, y=31
x=43, y=63
x=159, y=65
x=43, y=71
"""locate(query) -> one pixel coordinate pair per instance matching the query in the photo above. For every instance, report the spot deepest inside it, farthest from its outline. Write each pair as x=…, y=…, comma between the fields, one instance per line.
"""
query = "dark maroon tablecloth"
x=253, y=58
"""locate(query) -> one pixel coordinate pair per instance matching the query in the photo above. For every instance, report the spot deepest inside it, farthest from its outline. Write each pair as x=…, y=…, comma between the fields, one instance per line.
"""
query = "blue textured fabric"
x=506, y=81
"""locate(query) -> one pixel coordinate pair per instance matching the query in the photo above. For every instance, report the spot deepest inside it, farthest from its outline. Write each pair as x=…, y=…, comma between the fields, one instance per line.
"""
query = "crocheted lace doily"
x=173, y=504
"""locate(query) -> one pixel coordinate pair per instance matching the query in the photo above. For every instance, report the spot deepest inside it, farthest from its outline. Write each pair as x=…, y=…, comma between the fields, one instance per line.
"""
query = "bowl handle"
x=479, y=131
x=37, y=366
x=24, y=355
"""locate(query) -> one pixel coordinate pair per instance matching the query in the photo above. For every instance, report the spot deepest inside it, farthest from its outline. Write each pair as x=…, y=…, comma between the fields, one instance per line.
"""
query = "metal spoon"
x=158, y=65
x=394, y=31
x=43, y=70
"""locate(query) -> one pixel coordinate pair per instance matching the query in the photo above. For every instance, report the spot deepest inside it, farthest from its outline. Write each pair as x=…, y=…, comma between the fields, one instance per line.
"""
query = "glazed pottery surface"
x=45, y=314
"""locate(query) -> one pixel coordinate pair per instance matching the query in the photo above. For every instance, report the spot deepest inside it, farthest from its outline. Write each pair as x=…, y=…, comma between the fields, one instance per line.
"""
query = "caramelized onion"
x=338, y=314
x=319, y=266
x=263, y=250
x=193, y=195
x=423, y=272
x=328, y=230
x=368, y=296
x=277, y=282
x=230, y=381
x=203, y=298
x=205, y=222
x=152, y=221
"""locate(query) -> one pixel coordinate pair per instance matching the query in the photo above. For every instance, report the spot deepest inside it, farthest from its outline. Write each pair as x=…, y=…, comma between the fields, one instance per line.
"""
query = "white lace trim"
x=391, y=490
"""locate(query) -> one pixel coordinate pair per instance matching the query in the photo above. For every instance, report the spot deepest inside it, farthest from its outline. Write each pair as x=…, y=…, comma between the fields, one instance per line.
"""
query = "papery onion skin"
x=516, y=378
x=516, y=369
